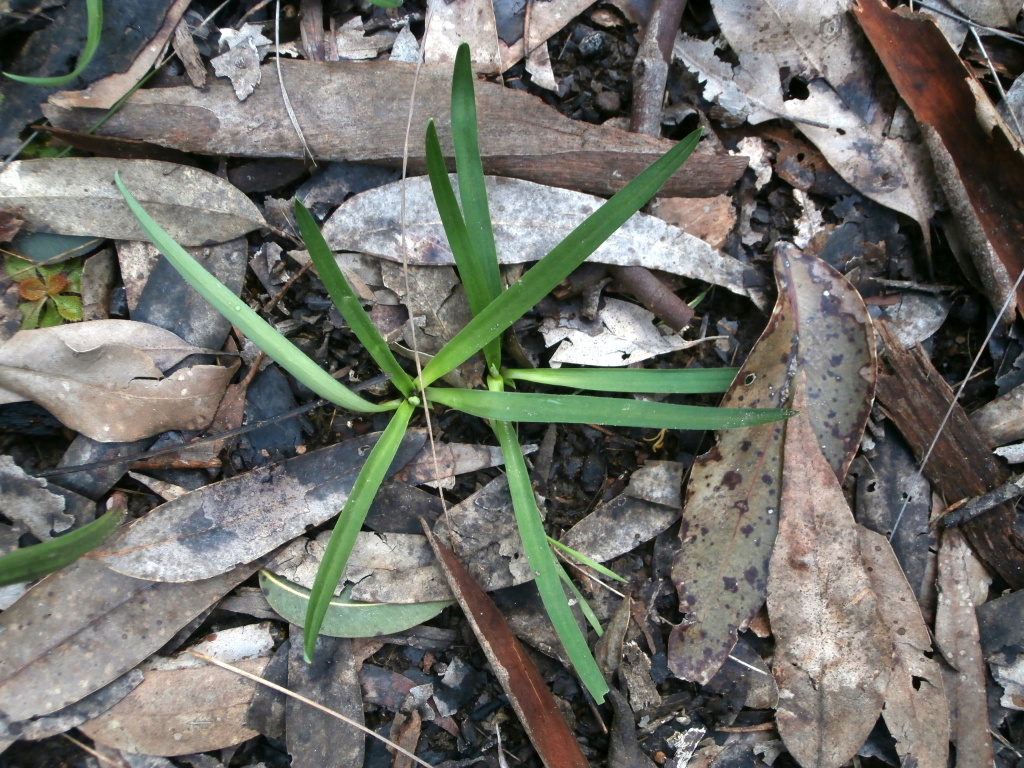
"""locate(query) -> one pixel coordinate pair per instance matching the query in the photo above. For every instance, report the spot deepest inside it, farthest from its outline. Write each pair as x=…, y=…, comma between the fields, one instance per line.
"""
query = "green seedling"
x=49, y=293
x=94, y=12
x=467, y=224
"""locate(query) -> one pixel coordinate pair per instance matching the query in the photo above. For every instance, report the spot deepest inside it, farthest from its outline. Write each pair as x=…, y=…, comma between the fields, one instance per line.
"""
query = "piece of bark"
x=311, y=21
x=977, y=159
x=188, y=53
x=527, y=692
x=341, y=124
x=915, y=397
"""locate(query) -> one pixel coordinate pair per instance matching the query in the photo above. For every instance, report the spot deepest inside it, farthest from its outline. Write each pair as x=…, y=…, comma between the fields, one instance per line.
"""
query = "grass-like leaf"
x=562, y=260
x=589, y=562
x=343, y=538
x=33, y=562
x=588, y=612
x=584, y=409
x=347, y=302
x=542, y=562
x=262, y=334
x=94, y=12
x=345, y=618
x=686, y=381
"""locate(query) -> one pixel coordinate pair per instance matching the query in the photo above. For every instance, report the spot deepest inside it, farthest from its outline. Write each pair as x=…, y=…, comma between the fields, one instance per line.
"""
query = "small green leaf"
x=69, y=307
x=343, y=538
x=347, y=302
x=584, y=409
x=588, y=612
x=684, y=381
x=94, y=10
x=33, y=562
x=587, y=561
x=344, y=618
x=556, y=266
x=262, y=334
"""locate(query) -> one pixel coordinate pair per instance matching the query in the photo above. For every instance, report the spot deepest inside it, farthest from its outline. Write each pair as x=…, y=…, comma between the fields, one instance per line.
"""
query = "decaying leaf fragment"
x=977, y=158
x=105, y=379
x=832, y=652
x=77, y=196
x=821, y=328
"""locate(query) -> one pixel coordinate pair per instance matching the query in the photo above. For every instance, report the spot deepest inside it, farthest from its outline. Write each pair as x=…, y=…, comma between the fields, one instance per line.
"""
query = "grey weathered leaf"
x=210, y=530
x=529, y=220
x=80, y=628
x=77, y=196
x=104, y=379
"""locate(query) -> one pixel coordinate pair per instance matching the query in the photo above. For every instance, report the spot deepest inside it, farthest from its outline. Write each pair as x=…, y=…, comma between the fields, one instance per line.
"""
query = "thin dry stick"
x=405, y=264
x=280, y=79
x=310, y=702
x=999, y=86
x=91, y=751
x=956, y=397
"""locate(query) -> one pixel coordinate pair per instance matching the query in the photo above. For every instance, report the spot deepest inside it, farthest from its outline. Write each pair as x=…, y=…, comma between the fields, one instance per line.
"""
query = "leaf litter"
x=755, y=72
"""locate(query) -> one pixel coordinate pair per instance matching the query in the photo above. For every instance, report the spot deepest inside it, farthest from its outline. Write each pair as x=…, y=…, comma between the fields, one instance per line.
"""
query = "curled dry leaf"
x=915, y=701
x=212, y=529
x=77, y=196
x=833, y=653
x=87, y=612
x=819, y=326
x=105, y=379
x=529, y=220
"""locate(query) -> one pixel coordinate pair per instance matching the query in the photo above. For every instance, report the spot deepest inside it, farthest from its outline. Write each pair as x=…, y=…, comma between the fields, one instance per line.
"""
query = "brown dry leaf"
x=812, y=41
x=104, y=379
x=963, y=586
x=529, y=220
x=210, y=530
x=340, y=123
x=452, y=459
x=526, y=689
x=453, y=22
x=819, y=327
x=77, y=196
x=977, y=158
x=915, y=701
x=710, y=219
x=79, y=629
x=832, y=652
x=180, y=711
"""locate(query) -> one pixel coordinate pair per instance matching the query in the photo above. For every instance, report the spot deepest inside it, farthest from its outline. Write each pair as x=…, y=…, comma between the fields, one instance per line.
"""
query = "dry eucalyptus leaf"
x=529, y=220
x=833, y=653
x=180, y=711
x=915, y=701
x=821, y=327
x=104, y=379
x=26, y=501
x=212, y=529
x=625, y=333
x=77, y=196
x=463, y=21
x=445, y=460
x=88, y=627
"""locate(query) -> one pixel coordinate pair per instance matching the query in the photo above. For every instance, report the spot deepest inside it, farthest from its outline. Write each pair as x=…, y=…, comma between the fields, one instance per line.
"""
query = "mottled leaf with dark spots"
x=820, y=327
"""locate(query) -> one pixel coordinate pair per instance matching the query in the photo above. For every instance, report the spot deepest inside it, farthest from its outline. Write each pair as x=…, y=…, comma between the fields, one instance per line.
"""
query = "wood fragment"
x=915, y=398
x=329, y=99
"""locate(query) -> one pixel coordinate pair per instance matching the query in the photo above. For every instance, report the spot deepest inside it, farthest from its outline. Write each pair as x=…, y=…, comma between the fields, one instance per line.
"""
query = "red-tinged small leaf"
x=527, y=692
x=833, y=653
x=819, y=326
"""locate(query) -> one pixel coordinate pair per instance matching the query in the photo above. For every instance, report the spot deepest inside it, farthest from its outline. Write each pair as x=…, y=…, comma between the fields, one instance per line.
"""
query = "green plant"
x=469, y=231
x=94, y=12
x=50, y=293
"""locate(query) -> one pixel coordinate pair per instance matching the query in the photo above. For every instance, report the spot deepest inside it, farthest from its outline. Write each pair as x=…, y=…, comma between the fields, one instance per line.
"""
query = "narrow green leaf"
x=556, y=266
x=588, y=612
x=542, y=562
x=94, y=11
x=33, y=562
x=262, y=334
x=682, y=381
x=347, y=302
x=344, y=618
x=587, y=561
x=584, y=409
x=343, y=538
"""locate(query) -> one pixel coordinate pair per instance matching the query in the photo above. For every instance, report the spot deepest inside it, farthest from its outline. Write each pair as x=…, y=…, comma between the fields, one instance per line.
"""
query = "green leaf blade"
x=30, y=563
x=678, y=381
x=94, y=30
x=585, y=409
x=562, y=260
x=346, y=300
x=343, y=538
x=262, y=334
